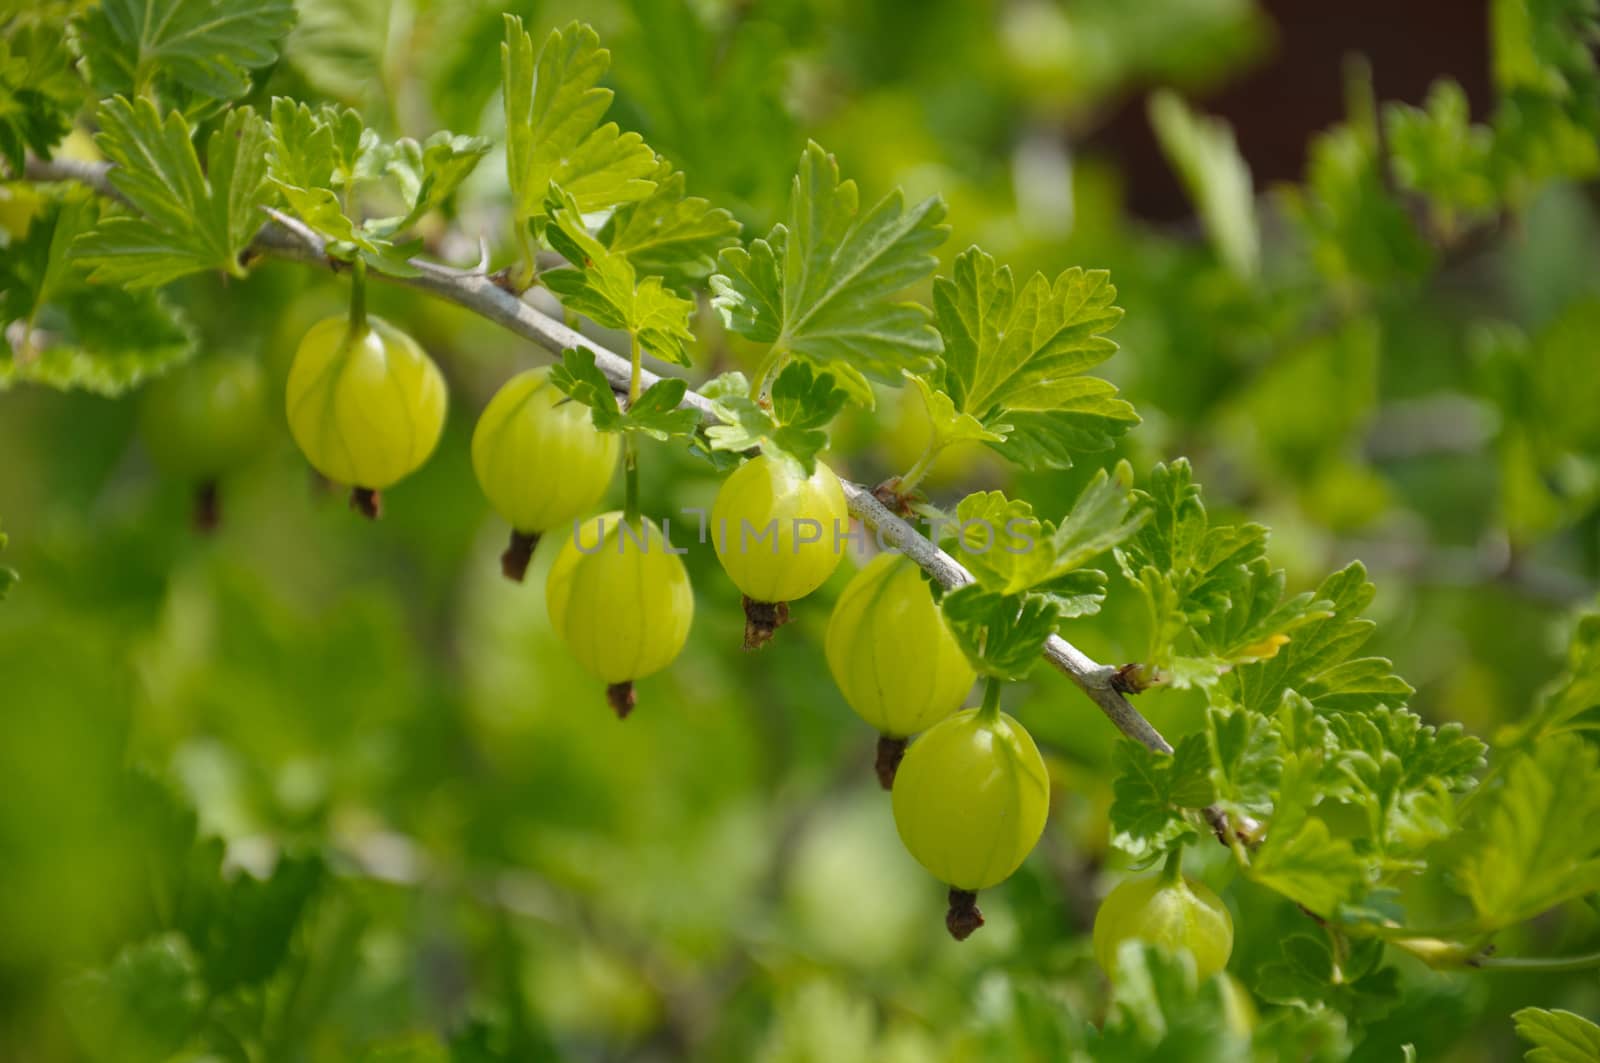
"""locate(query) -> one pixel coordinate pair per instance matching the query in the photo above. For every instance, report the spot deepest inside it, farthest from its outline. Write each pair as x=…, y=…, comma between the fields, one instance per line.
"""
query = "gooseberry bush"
x=205, y=197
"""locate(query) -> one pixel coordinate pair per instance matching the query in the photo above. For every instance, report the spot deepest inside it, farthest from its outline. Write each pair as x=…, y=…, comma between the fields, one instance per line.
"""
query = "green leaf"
x=1538, y=843
x=1014, y=359
x=657, y=414
x=1161, y=1011
x=142, y=1007
x=314, y=157
x=1021, y=349
x=318, y=159
x=553, y=109
x=1360, y=236
x=1000, y=541
x=803, y=404
x=241, y=926
x=1309, y=866
x=1316, y=1034
x=1557, y=1036
x=1247, y=761
x=1546, y=47
x=1300, y=858
x=670, y=234
x=1571, y=703
x=1439, y=153
x=39, y=92
x=1215, y=175
x=208, y=47
x=1353, y=984
x=1212, y=600
x=1009, y=550
x=1086, y=424
x=824, y=287
x=1318, y=660
x=949, y=425
x=1002, y=635
x=340, y=47
x=1152, y=792
x=189, y=220
x=1104, y=516
x=603, y=287
x=430, y=172
x=66, y=333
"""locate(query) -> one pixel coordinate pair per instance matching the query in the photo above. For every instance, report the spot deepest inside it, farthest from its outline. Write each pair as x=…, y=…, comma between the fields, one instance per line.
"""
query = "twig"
x=479, y=293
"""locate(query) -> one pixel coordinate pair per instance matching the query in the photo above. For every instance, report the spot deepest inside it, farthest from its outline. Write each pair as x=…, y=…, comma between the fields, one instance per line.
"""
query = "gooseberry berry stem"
x=1172, y=870
x=991, y=700
x=630, y=448
x=358, y=297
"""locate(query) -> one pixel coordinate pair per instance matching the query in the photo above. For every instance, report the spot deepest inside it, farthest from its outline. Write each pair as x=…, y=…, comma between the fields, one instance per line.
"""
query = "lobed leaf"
x=1538, y=843
x=1557, y=1036
x=205, y=47
x=68, y=334
x=604, y=287
x=39, y=93
x=189, y=219
x=823, y=287
x=669, y=233
x=553, y=107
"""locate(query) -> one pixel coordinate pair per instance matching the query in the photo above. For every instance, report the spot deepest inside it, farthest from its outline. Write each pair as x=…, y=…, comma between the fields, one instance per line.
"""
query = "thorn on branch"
x=891, y=751
x=762, y=620
x=963, y=917
x=367, y=502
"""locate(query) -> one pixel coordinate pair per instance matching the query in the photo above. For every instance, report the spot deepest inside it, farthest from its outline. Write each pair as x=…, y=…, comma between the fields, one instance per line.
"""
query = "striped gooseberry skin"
x=778, y=531
x=205, y=418
x=538, y=457
x=891, y=652
x=1170, y=913
x=365, y=407
x=971, y=798
x=619, y=600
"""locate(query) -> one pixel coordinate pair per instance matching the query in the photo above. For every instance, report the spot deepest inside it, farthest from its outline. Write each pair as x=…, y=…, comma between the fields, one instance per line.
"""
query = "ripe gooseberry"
x=776, y=534
x=970, y=802
x=540, y=461
x=893, y=656
x=621, y=602
x=202, y=420
x=1170, y=912
x=366, y=405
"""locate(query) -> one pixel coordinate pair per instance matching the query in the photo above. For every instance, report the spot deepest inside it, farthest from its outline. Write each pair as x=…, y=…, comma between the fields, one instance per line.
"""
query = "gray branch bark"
x=477, y=291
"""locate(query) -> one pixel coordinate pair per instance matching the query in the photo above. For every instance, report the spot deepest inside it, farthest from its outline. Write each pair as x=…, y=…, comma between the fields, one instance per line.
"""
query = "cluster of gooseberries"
x=970, y=795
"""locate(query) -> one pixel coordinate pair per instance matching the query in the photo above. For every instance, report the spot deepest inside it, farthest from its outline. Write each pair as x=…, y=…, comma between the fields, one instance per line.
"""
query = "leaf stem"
x=770, y=364
x=528, y=275
x=991, y=700
x=633, y=379
x=920, y=468
x=1584, y=962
